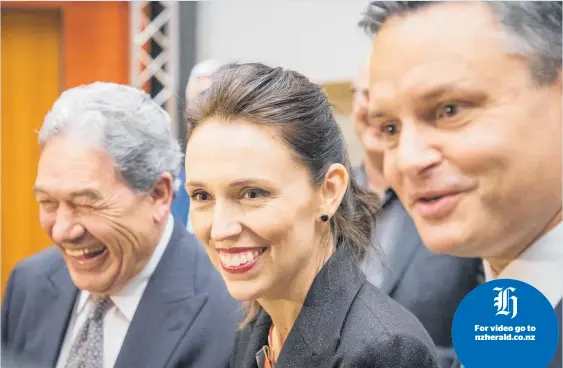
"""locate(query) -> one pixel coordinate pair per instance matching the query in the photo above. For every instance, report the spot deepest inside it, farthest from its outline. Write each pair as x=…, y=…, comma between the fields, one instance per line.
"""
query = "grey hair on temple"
x=123, y=121
x=533, y=29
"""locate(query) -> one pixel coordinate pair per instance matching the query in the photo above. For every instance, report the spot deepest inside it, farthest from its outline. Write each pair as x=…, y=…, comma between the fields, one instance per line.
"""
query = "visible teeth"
x=81, y=252
x=235, y=260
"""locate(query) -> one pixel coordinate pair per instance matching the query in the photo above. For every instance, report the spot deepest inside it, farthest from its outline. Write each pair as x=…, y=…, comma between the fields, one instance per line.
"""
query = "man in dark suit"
x=400, y=265
x=469, y=106
x=124, y=285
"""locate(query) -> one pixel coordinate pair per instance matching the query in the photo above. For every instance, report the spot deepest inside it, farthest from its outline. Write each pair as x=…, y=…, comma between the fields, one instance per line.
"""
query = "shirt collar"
x=362, y=179
x=129, y=297
x=389, y=195
x=540, y=265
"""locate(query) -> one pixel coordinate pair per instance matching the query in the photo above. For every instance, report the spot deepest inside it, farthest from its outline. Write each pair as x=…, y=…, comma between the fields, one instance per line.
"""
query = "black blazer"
x=186, y=318
x=345, y=322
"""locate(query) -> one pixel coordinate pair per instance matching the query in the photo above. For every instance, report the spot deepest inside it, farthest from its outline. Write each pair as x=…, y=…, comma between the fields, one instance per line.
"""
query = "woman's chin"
x=242, y=293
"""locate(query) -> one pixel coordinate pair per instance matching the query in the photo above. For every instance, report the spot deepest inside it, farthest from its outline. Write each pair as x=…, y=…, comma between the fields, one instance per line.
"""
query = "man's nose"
x=415, y=152
x=65, y=228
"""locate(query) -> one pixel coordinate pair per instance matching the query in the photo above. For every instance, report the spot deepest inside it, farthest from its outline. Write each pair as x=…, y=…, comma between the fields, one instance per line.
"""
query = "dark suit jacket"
x=429, y=285
x=345, y=322
x=557, y=361
x=185, y=318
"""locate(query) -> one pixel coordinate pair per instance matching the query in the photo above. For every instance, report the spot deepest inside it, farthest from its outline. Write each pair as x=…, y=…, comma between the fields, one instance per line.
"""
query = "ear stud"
x=324, y=217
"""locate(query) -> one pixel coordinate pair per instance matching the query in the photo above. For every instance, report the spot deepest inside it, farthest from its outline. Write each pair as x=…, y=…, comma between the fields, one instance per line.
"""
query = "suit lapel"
x=399, y=241
x=318, y=326
x=58, y=299
x=166, y=310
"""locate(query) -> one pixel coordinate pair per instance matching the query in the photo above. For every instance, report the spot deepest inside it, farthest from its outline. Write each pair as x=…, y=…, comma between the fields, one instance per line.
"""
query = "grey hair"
x=533, y=29
x=131, y=128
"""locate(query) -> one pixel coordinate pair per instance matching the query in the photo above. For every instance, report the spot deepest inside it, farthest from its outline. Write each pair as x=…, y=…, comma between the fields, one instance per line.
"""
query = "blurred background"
x=47, y=47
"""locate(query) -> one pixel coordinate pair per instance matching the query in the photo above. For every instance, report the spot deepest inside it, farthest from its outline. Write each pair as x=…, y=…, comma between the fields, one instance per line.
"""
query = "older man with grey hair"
x=124, y=285
x=468, y=98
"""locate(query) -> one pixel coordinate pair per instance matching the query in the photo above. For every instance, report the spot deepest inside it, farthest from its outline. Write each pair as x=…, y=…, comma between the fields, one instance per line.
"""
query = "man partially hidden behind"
x=467, y=96
x=124, y=285
x=429, y=285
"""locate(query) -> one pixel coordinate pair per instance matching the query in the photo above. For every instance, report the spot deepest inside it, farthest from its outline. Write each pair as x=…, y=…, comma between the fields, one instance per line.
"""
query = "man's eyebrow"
x=446, y=88
x=37, y=189
x=438, y=92
x=91, y=193
x=375, y=114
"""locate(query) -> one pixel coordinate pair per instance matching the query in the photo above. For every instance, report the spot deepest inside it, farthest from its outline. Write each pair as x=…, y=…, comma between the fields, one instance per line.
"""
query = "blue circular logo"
x=505, y=323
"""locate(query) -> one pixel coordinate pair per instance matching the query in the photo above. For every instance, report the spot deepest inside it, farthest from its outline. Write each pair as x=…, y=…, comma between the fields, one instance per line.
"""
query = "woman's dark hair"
x=299, y=110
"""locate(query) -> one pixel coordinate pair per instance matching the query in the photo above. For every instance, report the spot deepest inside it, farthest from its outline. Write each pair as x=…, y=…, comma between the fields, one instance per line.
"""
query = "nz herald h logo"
x=505, y=302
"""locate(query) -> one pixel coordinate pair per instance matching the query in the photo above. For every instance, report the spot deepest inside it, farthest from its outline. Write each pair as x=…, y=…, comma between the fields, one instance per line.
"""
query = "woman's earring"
x=324, y=217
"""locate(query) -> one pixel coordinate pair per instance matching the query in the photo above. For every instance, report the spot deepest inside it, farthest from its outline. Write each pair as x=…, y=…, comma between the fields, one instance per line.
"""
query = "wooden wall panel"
x=96, y=42
x=95, y=39
x=30, y=84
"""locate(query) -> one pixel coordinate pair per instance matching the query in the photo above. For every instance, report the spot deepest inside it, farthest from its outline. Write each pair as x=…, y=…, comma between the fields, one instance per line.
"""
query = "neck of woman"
x=286, y=306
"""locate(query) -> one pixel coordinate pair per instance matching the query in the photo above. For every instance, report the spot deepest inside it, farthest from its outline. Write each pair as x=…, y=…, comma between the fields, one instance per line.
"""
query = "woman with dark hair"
x=286, y=226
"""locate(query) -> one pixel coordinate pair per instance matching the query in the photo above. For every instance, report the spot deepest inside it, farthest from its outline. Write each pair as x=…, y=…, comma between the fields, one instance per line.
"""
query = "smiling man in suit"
x=404, y=268
x=467, y=96
x=124, y=285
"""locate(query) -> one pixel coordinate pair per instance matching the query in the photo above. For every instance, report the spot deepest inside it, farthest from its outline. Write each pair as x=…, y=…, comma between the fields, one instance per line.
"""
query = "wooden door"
x=31, y=82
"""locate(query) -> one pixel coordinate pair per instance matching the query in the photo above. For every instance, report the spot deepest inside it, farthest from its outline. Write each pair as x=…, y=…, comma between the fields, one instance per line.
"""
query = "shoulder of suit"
x=373, y=310
x=185, y=245
x=188, y=254
x=41, y=264
x=386, y=328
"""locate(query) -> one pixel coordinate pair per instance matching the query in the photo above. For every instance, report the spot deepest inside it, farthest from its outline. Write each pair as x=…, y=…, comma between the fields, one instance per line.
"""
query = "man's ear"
x=333, y=188
x=162, y=194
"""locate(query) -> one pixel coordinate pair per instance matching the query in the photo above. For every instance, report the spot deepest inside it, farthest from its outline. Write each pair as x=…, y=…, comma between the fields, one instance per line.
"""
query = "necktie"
x=88, y=348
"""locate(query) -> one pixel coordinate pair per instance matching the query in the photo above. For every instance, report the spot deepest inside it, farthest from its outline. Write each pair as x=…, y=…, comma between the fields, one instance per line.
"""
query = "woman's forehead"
x=234, y=151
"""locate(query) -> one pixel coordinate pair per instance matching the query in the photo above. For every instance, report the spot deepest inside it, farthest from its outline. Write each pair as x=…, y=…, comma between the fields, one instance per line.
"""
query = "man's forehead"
x=435, y=31
x=411, y=56
x=69, y=167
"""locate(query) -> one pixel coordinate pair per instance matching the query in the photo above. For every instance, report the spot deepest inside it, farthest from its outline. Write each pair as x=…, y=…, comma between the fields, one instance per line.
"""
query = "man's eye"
x=85, y=207
x=200, y=196
x=389, y=129
x=48, y=205
x=253, y=193
x=447, y=110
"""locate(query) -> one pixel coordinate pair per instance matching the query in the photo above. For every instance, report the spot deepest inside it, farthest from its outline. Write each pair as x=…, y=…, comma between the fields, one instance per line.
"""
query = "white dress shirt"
x=118, y=318
x=541, y=265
